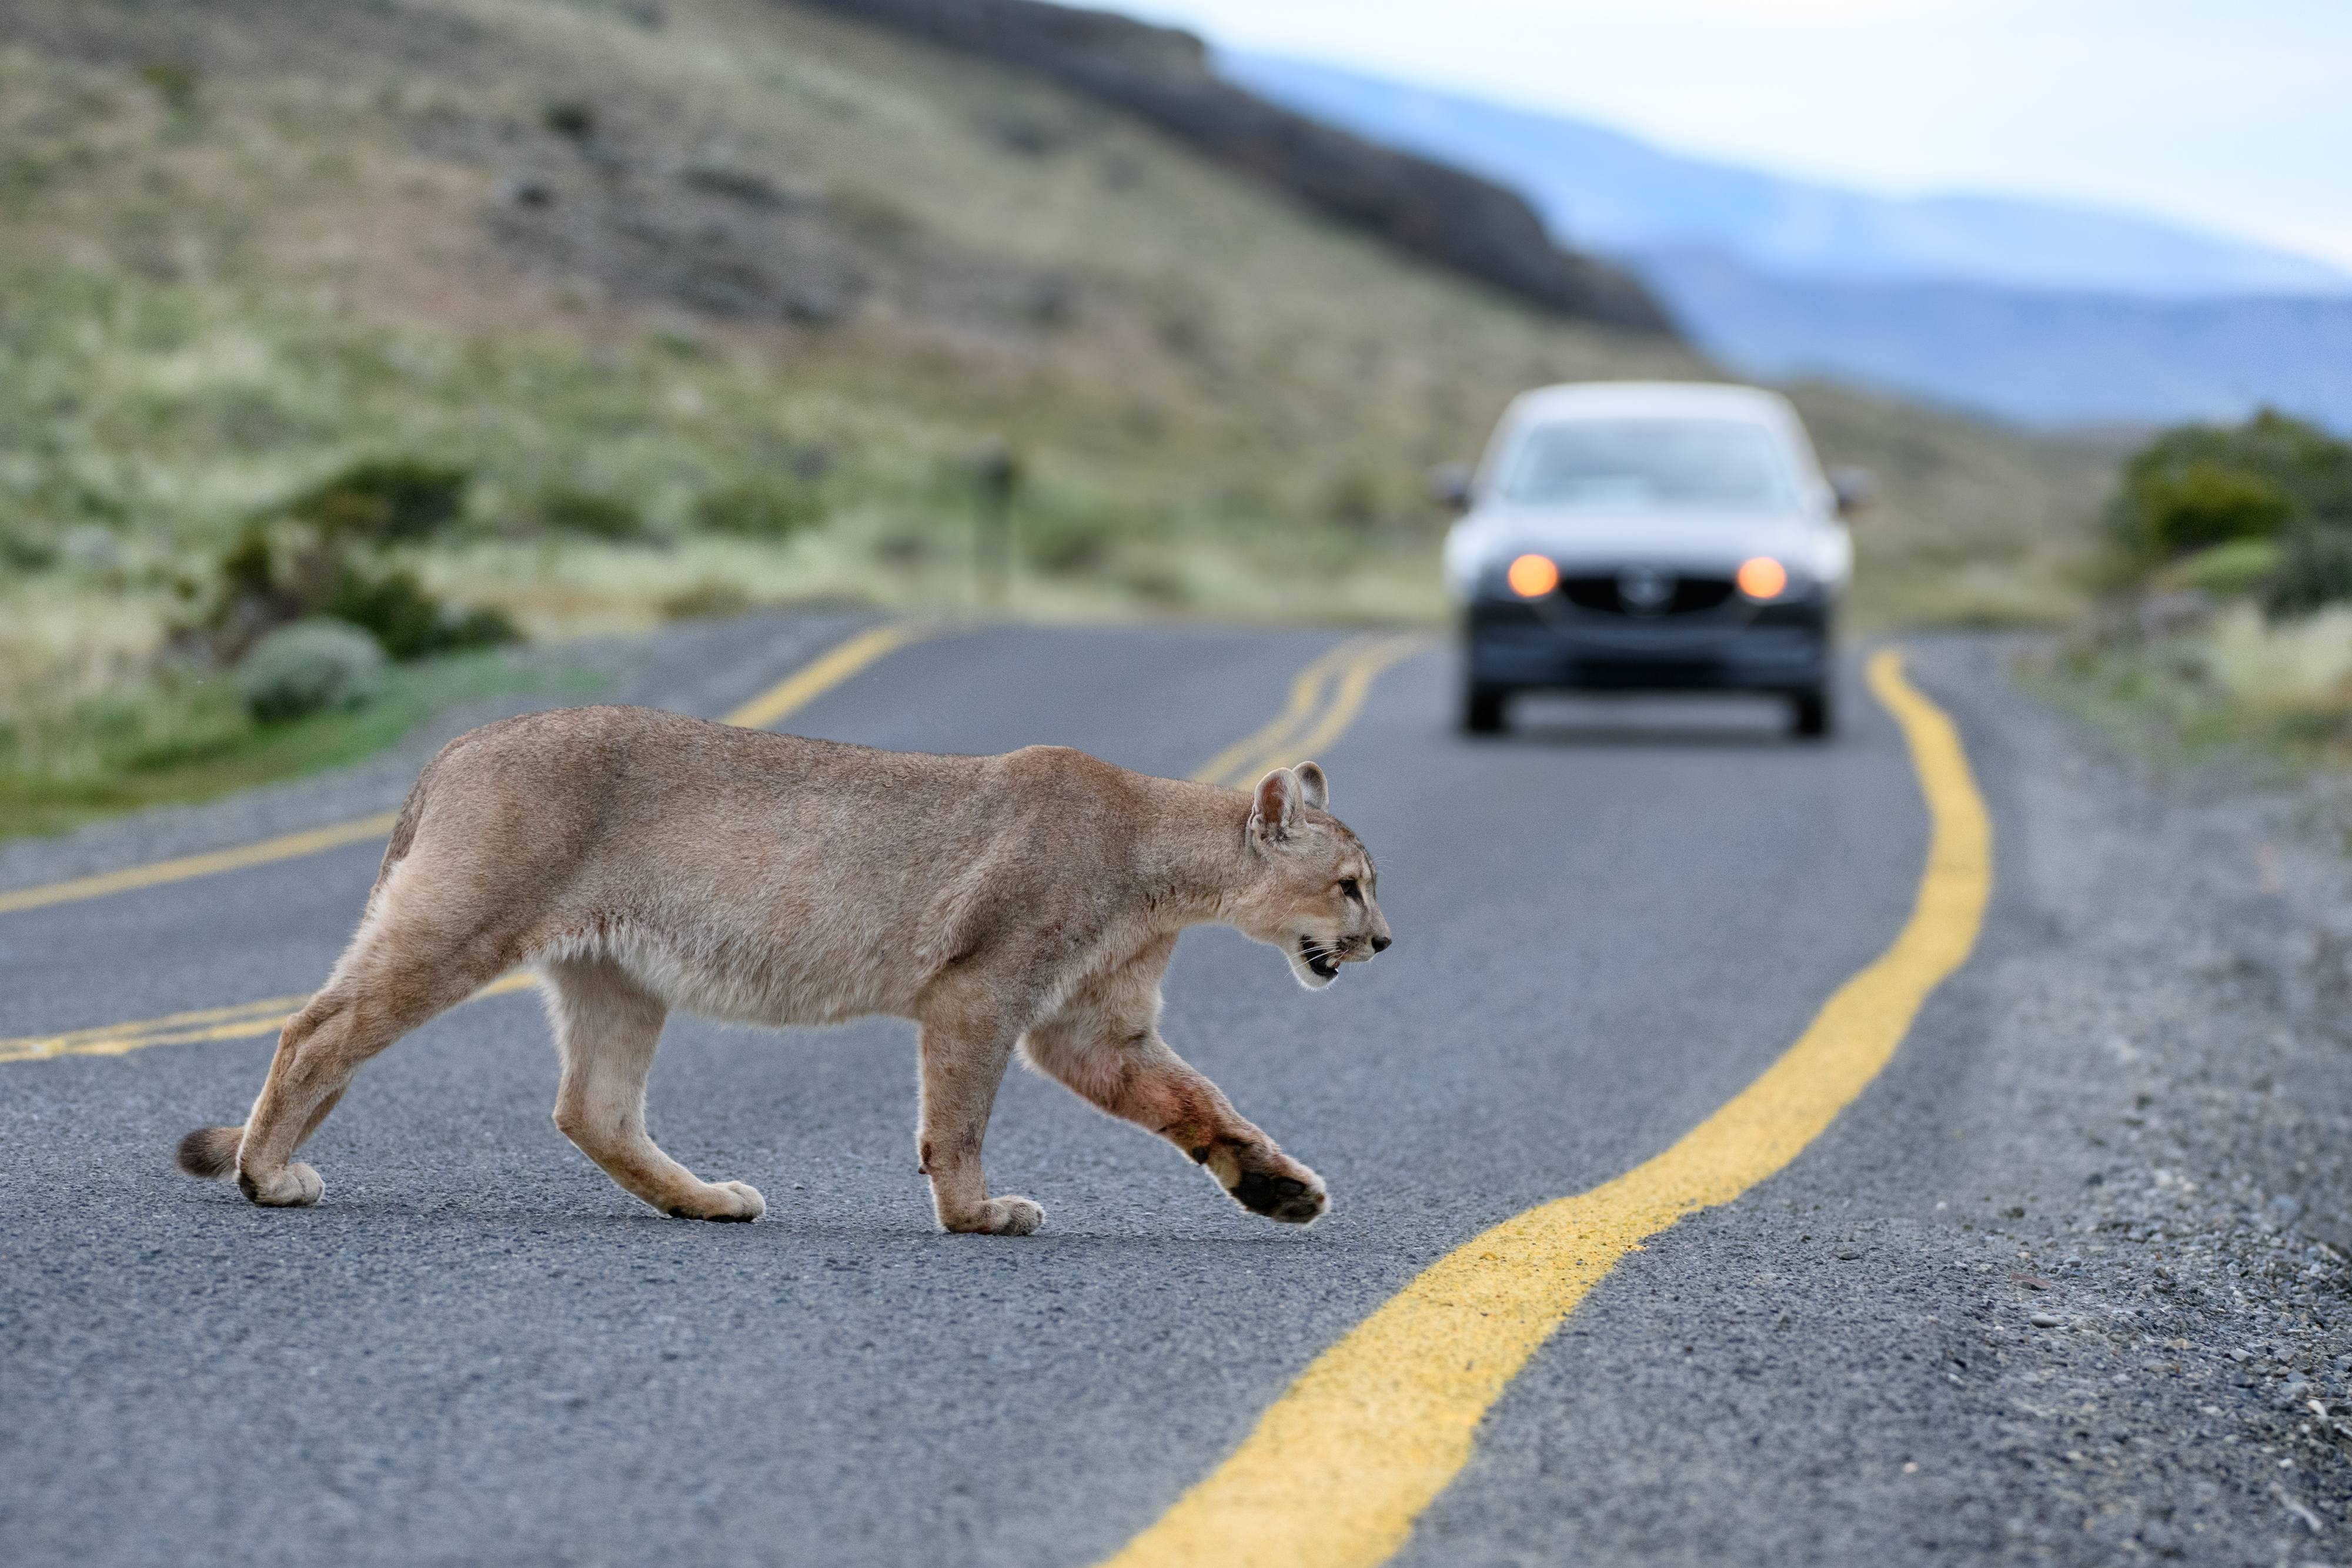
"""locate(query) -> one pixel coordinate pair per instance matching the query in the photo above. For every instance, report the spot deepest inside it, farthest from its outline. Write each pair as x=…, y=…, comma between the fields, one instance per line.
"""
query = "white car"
x=1649, y=536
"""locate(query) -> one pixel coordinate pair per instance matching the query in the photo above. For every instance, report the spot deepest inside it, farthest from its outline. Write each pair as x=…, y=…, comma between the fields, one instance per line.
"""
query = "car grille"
x=1692, y=595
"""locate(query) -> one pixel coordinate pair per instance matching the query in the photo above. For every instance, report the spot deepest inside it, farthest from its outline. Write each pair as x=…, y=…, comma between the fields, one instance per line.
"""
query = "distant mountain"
x=1431, y=207
x=1602, y=189
x=2044, y=359
x=2037, y=311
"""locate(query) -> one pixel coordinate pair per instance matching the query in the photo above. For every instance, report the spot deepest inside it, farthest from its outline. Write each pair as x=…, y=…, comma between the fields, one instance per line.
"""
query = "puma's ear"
x=1275, y=810
x=1313, y=790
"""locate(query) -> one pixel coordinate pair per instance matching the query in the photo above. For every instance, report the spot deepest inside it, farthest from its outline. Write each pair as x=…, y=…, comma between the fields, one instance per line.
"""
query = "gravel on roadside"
x=2144, y=1204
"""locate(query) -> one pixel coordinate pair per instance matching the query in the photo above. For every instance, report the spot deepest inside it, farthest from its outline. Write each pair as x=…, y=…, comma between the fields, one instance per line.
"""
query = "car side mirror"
x=1448, y=484
x=1853, y=487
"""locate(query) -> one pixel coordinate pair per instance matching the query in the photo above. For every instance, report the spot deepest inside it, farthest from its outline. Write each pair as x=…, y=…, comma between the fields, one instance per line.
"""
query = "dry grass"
x=2233, y=680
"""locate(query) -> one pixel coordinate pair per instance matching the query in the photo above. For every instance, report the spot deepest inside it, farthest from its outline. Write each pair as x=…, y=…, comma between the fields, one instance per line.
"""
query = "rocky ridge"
x=1161, y=76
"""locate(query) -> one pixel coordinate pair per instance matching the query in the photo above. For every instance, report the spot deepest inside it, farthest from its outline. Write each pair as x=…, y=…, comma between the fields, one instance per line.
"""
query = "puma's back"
x=776, y=878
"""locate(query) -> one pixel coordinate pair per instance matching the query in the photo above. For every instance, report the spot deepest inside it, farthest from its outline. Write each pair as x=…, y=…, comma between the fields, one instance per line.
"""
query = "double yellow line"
x=1324, y=701
x=189, y=866
x=243, y=1022
x=268, y=1015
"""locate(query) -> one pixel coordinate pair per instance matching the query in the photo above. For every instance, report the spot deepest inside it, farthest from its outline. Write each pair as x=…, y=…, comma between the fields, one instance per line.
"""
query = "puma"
x=644, y=862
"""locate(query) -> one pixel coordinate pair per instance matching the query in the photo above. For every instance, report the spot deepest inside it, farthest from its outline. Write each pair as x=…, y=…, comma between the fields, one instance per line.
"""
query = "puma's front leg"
x=964, y=1053
x=1122, y=1065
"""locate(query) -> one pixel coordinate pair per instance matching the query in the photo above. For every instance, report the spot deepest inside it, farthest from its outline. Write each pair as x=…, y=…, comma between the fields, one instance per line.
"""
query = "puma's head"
x=1315, y=893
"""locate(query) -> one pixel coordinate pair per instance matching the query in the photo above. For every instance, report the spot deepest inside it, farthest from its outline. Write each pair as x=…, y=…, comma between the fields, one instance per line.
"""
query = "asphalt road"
x=477, y=1349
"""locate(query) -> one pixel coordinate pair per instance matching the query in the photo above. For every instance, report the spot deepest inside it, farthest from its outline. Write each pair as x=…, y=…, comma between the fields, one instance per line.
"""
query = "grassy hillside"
x=650, y=255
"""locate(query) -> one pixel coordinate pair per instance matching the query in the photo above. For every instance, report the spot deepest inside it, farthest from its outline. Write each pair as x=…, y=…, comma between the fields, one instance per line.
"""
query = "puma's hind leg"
x=1105, y=1046
x=388, y=984
x=607, y=1026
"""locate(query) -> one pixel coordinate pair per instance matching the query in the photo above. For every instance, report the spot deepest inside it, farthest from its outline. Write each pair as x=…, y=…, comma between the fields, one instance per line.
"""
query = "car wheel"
x=1810, y=713
x=1482, y=710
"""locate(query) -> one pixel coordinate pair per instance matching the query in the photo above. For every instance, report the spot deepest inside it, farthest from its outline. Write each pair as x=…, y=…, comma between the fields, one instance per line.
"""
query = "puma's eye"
x=1348, y=885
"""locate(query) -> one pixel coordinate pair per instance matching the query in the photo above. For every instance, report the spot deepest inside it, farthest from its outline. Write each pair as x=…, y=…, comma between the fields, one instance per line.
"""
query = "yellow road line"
x=1306, y=696
x=1357, y=664
x=242, y=1021
x=818, y=676
x=1355, y=684
x=1338, y=1469
x=188, y=866
x=822, y=675
x=112, y=1040
x=1348, y=672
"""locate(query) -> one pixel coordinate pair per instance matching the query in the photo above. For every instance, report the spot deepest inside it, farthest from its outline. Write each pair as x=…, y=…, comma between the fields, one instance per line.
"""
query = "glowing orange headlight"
x=1762, y=578
x=1532, y=577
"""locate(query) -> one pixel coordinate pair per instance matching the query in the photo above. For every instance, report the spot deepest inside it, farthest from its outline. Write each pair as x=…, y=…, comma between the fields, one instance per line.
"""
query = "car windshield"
x=1647, y=462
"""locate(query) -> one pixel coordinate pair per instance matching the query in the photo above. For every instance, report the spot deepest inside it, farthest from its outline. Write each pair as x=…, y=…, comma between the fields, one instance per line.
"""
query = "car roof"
x=1619, y=400
x=1655, y=400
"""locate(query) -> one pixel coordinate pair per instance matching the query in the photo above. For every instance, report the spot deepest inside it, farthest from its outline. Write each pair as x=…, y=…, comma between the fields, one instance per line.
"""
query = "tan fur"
x=645, y=861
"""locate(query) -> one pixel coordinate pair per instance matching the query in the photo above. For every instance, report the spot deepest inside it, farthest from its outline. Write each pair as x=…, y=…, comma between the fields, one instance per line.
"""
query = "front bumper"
x=1518, y=646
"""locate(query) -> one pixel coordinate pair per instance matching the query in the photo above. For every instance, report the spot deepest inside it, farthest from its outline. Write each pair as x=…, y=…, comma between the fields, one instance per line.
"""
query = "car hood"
x=1691, y=541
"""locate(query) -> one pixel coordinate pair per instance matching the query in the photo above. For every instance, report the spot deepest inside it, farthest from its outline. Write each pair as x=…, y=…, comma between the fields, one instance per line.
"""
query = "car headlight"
x=1532, y=576
x=1760, y=578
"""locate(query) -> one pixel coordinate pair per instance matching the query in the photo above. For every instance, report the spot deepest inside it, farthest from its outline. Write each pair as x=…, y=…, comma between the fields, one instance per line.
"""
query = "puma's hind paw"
x=292, y=1186
x=1000, y=1216
x=726, y=1200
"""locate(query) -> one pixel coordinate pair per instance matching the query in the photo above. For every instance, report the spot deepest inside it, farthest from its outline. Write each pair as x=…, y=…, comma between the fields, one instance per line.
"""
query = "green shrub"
x=1067, y=541
x=571, y=117
x=2200, y=485
x=309, y=667
x=706, y=601
x=586, y=512
x=759, y=511
x=2315, y=567
x=274, y=576
x=395, y=500
x=409, y=623
x=26, y=552
x=2206, y=504
x=2238, y=569
x=175, y=83
x=1353, y=502
x=249, y=566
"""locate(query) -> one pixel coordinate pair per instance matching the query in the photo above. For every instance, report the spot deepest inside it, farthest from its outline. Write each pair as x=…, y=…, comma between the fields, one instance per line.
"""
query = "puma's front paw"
x=1293, y=1200
x=726, y=1200
x=1000, y=1216
x=1264, y=1180
x=292, y=1185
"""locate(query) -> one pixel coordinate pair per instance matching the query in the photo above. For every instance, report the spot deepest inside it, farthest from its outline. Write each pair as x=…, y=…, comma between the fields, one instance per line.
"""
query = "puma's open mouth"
x=1319, y=958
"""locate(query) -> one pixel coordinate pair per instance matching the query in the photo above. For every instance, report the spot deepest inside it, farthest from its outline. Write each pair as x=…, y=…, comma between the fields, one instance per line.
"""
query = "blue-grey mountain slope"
x=2040, y=357
x=2038, y=312
x=1619, y=195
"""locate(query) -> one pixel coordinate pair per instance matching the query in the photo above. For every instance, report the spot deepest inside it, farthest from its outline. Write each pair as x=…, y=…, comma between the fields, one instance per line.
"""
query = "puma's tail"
x=211, y=1152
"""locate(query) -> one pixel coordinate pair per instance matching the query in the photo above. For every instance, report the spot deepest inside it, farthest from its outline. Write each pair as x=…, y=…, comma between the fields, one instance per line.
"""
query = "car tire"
x=1809, y=714
x=1482, y=710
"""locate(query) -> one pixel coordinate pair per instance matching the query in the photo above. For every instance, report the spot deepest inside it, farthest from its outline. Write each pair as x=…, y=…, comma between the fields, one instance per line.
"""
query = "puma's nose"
x=1380, y=944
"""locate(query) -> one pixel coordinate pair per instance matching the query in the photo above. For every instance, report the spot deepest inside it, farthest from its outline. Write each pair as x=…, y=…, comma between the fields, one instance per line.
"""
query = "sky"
x=2230, y=116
